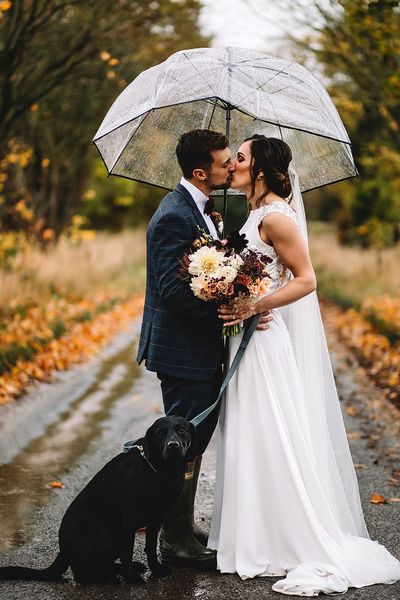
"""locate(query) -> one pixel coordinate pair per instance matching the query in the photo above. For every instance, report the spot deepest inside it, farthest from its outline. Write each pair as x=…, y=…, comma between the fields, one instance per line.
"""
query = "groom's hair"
x=195, y=147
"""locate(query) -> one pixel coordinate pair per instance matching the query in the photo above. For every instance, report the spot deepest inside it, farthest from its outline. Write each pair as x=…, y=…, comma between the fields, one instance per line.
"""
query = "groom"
x=181, y=335
x=181, y=338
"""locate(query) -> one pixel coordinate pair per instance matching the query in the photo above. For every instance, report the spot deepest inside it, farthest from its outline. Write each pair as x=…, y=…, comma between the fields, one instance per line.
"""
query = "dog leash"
x=235, y=363
x=132, y=446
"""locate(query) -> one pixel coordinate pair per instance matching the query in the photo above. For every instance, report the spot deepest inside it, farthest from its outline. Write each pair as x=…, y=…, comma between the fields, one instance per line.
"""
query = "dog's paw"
x=161, y=571
x=133, y=577
x=138, y=566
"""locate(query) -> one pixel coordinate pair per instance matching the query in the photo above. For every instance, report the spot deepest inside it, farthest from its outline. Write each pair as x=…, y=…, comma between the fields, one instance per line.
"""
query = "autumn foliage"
x=380, y=359
x=61, y=304
x=40, y=348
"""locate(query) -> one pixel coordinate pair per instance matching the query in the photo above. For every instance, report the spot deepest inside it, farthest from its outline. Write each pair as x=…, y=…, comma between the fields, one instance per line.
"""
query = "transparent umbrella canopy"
x=226, y=89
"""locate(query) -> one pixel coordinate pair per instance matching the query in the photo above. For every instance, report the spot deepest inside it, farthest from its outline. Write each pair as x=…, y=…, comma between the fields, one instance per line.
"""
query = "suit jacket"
x=181, y=334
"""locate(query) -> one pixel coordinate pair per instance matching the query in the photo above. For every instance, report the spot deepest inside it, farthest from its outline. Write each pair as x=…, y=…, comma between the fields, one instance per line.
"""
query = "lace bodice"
x=279, y=273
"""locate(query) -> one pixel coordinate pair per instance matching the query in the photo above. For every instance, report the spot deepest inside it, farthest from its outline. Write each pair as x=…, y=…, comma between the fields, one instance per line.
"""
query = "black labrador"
x=132, y=491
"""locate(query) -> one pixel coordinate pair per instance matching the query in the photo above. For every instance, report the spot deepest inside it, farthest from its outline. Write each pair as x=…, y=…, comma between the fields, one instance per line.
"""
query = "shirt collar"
x=196, y=194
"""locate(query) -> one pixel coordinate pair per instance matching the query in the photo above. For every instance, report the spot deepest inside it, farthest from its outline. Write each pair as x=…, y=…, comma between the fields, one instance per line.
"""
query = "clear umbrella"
x=226, y=89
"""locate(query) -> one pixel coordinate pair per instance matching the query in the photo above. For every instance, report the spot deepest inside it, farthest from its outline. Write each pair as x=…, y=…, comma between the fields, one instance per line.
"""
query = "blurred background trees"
x=63, y=62
x=357, y=45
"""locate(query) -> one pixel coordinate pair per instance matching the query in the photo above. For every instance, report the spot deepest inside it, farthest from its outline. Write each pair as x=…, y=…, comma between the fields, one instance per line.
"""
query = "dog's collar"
x=132, y=447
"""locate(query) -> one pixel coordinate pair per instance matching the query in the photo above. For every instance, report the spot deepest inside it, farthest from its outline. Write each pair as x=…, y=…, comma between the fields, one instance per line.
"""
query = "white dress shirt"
x=200, y=200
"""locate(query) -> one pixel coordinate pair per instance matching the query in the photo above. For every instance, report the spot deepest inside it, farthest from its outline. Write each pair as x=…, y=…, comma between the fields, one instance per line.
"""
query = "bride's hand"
x=226, y=313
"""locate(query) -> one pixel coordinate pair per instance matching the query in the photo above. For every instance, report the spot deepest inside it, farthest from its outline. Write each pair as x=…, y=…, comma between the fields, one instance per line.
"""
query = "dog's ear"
x=149, y=436
x=192, y=429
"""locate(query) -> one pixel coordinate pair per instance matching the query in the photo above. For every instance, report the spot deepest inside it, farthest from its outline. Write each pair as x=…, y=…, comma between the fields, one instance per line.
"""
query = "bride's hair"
x=271, y=156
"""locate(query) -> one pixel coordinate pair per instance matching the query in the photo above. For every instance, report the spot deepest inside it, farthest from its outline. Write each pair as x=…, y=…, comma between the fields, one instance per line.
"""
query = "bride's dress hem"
x=307, y=580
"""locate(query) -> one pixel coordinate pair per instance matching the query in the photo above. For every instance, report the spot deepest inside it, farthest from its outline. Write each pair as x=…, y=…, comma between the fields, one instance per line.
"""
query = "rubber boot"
x=177, y=541
x=200, y=535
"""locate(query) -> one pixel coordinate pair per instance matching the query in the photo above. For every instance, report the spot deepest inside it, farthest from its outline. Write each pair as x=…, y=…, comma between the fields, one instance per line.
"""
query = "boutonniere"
x=216, y=218
x=204, y=239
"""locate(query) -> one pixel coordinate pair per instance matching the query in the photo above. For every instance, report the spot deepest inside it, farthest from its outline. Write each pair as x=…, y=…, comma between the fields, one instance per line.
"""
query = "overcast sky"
x=255, y=24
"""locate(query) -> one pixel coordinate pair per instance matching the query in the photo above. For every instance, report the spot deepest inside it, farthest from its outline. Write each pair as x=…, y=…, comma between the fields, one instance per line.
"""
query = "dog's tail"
x=51, y=573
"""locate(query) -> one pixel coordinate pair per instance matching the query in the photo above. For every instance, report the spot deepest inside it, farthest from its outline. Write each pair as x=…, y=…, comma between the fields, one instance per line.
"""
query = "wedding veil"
x=333, y=460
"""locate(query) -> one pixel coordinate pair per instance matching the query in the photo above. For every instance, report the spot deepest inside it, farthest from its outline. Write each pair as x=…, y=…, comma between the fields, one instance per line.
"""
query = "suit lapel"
x=197, y=214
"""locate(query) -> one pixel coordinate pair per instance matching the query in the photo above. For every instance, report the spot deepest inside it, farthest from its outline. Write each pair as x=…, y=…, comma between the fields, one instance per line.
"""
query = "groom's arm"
x=171, y=238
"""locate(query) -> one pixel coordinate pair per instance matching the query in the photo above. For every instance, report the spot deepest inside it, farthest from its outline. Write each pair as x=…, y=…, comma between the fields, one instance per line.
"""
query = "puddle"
x=24, y=483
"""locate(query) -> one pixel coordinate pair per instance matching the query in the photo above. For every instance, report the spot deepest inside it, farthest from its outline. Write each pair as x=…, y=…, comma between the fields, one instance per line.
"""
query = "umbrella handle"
x=227, y=133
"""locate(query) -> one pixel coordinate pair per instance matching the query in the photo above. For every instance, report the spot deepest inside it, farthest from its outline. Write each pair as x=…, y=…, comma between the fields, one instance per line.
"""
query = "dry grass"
x=109, y=263
x=349, y=274
x=116, y=263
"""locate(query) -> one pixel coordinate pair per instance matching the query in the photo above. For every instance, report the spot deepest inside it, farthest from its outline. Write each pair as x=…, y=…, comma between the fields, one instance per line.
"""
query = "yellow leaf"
x=89, y=195
x=6, y=5
x=105, y=55
x=113, y=61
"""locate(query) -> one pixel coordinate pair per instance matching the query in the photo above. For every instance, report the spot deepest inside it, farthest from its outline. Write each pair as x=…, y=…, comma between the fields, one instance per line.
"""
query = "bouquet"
x=226, y=271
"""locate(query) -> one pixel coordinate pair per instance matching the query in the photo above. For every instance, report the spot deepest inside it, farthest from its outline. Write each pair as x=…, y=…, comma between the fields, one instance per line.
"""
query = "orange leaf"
x=377, y=499
x=57, y=484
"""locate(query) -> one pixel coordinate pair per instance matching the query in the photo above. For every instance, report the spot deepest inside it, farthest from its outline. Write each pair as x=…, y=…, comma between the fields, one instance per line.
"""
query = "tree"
x=63, y=63
x=359, y=46
x=355, y=45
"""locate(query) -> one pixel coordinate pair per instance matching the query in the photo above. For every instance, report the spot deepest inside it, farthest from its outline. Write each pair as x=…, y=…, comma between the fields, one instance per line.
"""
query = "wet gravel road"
x=65, y=431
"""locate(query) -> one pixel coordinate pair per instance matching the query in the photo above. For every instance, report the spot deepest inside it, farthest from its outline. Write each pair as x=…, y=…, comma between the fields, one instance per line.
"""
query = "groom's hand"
x=264, y=320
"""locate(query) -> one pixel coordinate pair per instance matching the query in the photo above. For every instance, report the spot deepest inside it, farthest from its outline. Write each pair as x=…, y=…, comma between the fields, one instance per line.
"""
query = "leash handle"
x=235, y=363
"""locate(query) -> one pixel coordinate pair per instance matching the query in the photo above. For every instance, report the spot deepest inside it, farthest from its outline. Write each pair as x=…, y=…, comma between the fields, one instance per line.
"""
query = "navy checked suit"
x=181, y=335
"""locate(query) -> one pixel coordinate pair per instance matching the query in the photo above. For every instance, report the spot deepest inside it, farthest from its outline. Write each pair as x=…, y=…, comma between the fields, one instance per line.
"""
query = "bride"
x=286, y=499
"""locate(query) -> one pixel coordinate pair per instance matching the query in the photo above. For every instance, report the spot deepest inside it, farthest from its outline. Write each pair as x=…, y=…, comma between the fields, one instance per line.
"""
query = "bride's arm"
x=292, y=250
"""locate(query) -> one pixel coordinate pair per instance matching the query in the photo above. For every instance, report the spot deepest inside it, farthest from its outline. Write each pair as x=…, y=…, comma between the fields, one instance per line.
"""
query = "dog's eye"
x=162, y=432
x=181, y=430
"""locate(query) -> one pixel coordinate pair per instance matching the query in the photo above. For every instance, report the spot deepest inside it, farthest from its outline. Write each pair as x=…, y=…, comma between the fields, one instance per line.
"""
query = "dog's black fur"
x=99, y=526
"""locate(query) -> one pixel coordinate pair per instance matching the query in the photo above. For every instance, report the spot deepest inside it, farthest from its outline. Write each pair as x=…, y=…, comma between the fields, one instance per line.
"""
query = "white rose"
x=235, y=262
x=228, y=273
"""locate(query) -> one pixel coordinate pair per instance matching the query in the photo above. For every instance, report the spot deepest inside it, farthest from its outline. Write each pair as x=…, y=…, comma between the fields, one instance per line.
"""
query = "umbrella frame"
x=228, y=108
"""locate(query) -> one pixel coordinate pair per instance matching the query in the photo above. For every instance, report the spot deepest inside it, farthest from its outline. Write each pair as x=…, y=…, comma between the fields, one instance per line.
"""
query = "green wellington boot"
x=178, y=543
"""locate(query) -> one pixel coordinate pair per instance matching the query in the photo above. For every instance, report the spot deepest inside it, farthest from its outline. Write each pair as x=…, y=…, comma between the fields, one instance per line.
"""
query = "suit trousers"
x=188, y=398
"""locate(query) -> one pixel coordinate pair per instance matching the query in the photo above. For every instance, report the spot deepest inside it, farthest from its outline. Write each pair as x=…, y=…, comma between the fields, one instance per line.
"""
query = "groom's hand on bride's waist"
x=264, y=320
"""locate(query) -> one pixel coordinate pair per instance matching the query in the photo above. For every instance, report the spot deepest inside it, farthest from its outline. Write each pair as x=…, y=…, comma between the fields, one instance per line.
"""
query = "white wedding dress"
x=275, y=513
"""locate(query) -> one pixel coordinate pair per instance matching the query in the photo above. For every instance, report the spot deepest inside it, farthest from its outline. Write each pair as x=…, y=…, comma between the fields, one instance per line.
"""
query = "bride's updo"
x=271, y=156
